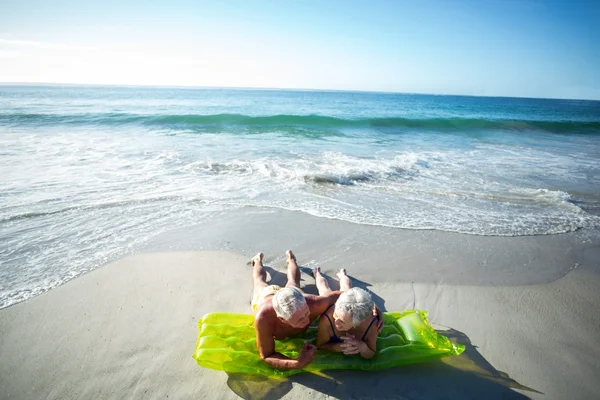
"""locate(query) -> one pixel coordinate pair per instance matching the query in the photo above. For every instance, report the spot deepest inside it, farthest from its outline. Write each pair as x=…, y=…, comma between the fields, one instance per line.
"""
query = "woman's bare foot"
x=289, y=256
x=257, y=259
x=342, y=273
x=316, y=271
x=345, y=283
x=321, y=282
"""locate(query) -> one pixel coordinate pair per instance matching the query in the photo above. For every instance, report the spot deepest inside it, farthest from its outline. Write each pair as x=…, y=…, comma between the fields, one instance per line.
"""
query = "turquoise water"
x=89, y=173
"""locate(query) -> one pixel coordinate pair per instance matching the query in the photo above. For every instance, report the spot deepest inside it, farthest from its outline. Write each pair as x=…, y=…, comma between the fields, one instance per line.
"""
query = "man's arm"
x=319, y=304
x=266, y=348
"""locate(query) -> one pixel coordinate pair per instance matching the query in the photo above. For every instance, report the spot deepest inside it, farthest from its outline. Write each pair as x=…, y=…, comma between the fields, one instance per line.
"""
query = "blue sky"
x=490, y=48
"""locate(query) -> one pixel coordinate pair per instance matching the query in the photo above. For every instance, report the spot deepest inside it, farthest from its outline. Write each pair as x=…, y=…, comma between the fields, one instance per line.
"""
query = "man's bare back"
x=268, y=318
x=269, y=326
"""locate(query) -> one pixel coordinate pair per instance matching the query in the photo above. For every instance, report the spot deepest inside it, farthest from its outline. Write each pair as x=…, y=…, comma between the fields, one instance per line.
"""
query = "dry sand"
x=128, y=330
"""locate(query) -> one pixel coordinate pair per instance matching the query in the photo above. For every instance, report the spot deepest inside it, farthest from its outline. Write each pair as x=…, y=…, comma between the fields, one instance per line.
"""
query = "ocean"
x=90, y=174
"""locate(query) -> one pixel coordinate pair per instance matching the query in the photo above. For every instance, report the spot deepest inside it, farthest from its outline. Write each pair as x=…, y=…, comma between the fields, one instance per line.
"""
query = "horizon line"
x=278, y=89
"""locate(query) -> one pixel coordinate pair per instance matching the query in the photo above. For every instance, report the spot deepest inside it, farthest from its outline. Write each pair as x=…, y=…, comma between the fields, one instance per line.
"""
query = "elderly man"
x=284, y=312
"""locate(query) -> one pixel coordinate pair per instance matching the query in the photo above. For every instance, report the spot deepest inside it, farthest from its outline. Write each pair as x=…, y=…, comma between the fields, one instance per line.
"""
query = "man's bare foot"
x=257, y=259
x=342, y=273
x=289, y=256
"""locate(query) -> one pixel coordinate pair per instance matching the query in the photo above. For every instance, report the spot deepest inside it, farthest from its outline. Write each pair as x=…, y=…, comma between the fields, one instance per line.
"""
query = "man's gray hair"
x=357, y=303
x=287, y=301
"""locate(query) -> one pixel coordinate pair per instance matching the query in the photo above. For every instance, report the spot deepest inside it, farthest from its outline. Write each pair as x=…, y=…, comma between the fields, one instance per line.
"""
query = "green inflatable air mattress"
x=227, y=342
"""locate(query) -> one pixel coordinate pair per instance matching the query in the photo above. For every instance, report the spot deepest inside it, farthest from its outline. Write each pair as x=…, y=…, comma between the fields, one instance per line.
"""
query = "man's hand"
x=377, y=313
x=307, y=354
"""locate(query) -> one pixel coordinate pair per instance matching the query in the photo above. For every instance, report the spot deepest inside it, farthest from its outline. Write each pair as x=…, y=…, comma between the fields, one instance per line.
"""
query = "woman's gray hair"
x=287, y=301
x=357, y=303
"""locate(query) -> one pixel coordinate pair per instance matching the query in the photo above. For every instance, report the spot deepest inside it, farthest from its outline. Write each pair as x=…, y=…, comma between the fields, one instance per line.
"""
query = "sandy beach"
x=447, y=157
x=129, y=330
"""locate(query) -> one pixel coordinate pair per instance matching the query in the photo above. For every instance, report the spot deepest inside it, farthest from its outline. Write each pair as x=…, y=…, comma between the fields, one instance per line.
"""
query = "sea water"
x=90, y=173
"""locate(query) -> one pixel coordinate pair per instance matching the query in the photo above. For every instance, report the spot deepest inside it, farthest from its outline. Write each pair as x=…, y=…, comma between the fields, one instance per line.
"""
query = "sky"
x=522, y=48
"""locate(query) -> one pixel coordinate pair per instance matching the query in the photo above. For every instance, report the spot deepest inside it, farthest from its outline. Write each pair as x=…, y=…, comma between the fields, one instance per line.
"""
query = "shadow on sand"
x=466, y=376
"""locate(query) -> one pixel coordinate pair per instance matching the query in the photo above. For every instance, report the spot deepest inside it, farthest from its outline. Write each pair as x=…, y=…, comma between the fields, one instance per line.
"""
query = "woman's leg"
x=321, y=282
x=345, y=282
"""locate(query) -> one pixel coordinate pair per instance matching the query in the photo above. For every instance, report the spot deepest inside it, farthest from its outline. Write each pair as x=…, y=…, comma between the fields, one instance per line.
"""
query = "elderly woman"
x=349, y=326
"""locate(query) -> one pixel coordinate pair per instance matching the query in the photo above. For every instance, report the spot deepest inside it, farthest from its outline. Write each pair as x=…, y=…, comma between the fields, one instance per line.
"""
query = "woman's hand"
x=351, y=345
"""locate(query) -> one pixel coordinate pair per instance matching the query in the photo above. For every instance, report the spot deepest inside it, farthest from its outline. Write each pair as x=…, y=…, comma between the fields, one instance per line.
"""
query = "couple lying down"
x=349, y=321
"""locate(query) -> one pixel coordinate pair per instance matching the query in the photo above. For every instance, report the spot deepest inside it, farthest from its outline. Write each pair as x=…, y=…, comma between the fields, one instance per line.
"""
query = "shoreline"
x=383, y=254
x=130, y=328
x=379, y=254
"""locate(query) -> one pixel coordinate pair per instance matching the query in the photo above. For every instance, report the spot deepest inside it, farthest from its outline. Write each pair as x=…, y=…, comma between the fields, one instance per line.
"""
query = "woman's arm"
x=368, y=347
x=319, y=304
x=324, y=335
x=332, y=347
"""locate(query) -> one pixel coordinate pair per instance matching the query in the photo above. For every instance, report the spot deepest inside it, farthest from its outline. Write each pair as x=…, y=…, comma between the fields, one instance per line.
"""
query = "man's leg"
x=321, y=282
x=293, y=272
x=345, y=282
x=259, y=275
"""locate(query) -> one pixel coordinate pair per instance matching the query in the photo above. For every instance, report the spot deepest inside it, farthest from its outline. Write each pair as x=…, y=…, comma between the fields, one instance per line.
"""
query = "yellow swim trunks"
x=259, y=298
